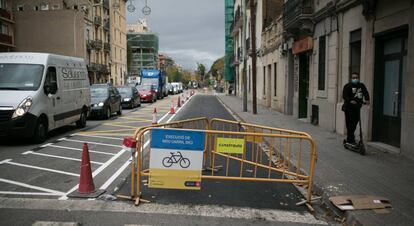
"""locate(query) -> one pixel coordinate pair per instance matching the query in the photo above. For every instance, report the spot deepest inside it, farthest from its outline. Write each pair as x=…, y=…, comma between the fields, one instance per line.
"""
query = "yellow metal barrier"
x=236, y=151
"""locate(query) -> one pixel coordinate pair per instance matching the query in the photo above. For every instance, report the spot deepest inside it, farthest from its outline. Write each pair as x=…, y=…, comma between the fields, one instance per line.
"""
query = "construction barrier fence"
x=226, y=150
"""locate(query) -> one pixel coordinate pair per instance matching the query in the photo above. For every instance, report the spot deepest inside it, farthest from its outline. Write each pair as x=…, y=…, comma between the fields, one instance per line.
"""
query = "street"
x=48, y=173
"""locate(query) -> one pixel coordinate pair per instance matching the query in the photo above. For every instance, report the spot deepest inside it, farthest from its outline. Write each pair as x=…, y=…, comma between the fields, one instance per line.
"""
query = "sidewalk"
x=342, y=172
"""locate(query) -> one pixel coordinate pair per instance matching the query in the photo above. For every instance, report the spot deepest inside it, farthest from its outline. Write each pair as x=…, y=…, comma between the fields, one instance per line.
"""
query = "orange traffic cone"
x=172, y=111
x=154, y=117
x=86, y=184
x=178, y=102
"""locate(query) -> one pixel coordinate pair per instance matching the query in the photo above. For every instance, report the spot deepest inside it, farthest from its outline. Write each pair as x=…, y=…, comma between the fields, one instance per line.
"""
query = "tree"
x=201, y=71
x=217, y=68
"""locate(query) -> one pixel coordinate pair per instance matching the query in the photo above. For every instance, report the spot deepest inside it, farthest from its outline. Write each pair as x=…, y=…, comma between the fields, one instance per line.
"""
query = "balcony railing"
x=98, y=44
x=107, y=47
x=295, y=11
x=106, y=4
x=5, y=14
x=92, y=67
x=6, y=39
x=97, y=20
x=90, y=45
x=106, y=25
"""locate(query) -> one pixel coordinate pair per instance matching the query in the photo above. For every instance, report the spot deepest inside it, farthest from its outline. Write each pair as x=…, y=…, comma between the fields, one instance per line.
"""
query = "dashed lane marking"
x=58, y=157
x=82, y=141
x=94, y=136
x=41, y=168
x=79, y=149
x=48, y=191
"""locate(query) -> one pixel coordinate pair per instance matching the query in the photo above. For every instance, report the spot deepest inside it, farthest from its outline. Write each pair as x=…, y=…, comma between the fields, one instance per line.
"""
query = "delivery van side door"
x=50, y=89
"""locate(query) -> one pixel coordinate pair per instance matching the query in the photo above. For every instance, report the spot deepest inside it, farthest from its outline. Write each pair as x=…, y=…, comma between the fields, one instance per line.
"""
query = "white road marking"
x=79, y=149
x=172, y=117
x=245, y=213
x=82, y=141
x=42, y=168
x=95, y=173
x=115, y=175
x=5, y=161
x=27, y=193
x=95, y=136
x=59, y=157
x=49, y=191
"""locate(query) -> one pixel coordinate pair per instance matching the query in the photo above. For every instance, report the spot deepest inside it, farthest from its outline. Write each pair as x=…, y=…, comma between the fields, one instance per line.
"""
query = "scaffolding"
x=142, y=52
x=229, y=48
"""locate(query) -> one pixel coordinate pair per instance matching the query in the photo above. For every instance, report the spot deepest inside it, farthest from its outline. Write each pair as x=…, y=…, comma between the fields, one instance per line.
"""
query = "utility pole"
x=244, y=74
x=253, y=53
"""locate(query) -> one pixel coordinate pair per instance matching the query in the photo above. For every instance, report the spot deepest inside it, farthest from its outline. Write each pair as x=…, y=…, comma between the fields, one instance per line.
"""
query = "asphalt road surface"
x=35, y=180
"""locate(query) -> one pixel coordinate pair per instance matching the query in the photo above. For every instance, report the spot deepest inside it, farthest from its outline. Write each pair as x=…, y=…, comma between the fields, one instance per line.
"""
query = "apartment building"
x=142, y=48
x=306, y=54
x=6, y=26
x=164, y=61
x=73, y=28
x=118, y=42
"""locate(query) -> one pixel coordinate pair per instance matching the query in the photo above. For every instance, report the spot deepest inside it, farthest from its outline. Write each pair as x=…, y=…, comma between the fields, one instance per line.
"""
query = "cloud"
x=190, y=31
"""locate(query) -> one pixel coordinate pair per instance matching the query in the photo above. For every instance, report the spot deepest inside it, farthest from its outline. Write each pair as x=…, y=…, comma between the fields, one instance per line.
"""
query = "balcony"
x=297, y=17
x=106, y=25
x=7, y=39
x=92, y=67
x=103, y=69
x=106, y=4
x=107, y=47
x=98, y=44
x=5, y=14
x=237, y=22
x=97, y=20
x=89, y=45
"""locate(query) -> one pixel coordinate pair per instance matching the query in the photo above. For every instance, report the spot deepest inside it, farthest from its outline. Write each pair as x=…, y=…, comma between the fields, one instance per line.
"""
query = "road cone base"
x=77, y=194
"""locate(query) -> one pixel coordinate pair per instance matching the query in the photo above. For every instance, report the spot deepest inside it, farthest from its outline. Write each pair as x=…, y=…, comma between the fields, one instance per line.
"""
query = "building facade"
x=142, y=48
x=118, y=43
x=164, y=61
x=73, y=28
x=6, y=26
x=308, y=51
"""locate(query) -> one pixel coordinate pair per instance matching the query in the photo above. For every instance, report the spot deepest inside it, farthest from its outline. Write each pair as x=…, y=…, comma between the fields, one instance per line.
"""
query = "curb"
x=349, y=218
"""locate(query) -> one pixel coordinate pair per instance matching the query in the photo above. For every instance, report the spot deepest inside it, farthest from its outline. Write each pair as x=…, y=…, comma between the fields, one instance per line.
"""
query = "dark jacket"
x=357, y=92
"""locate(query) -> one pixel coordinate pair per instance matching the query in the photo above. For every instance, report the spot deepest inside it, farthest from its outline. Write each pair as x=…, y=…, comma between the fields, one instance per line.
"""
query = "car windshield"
x=20, y=76
x=125, y=91
x=99, y=92
x=150, y=81
x=144, y=87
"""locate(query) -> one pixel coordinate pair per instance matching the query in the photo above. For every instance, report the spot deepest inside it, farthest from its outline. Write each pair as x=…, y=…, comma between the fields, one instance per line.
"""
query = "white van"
x=40, y=92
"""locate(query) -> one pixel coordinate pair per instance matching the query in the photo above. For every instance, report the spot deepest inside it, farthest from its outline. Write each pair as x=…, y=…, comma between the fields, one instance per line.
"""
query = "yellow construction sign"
x=230, y=145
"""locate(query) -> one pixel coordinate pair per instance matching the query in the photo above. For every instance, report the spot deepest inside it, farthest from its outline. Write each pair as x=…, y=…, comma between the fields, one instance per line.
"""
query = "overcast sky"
x=190, y=31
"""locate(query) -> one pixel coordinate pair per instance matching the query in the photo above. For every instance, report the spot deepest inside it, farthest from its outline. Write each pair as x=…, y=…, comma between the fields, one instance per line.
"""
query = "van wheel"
x=40, y=134
x=81, y=123
x=119, y=112
x=108, y=113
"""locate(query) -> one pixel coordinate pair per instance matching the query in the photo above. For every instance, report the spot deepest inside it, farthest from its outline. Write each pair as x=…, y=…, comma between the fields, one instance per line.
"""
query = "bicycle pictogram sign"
x=176, y=159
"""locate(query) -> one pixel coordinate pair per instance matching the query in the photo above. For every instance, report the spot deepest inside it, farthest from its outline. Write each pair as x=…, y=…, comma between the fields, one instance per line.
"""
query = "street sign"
x=176, y=159
x=230, y=145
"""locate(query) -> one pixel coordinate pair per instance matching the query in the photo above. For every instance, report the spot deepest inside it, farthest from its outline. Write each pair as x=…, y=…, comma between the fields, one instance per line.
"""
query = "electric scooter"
x=358, y=147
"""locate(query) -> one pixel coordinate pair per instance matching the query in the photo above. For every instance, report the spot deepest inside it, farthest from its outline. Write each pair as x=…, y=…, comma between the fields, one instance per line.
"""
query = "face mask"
x=355, y=81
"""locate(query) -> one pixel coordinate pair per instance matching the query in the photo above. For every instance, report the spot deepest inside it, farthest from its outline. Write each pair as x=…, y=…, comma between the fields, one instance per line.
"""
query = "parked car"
x=105, y=100
x=40, y=92
x=147, y=93
x=129, y=97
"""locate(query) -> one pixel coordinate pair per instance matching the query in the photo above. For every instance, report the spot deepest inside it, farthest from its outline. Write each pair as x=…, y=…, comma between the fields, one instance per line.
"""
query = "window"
x=36, y=8
x=321, y=63
x=20, y=8
x=275, y=79
x=4, y=28
x=355, y=52
x=51, y=81
x=264, y=80
x=3, y=4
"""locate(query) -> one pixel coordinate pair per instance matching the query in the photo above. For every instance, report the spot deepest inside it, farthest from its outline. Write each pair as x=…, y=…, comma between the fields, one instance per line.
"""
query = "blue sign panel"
x=177, y=139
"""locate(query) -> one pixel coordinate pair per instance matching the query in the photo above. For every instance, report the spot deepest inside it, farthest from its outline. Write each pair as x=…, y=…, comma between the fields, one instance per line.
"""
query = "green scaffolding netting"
x=229, y=49
x=142, y=51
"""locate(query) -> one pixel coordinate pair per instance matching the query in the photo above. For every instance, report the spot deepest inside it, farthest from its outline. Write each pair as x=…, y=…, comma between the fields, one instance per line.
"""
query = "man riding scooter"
x=354, y=94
